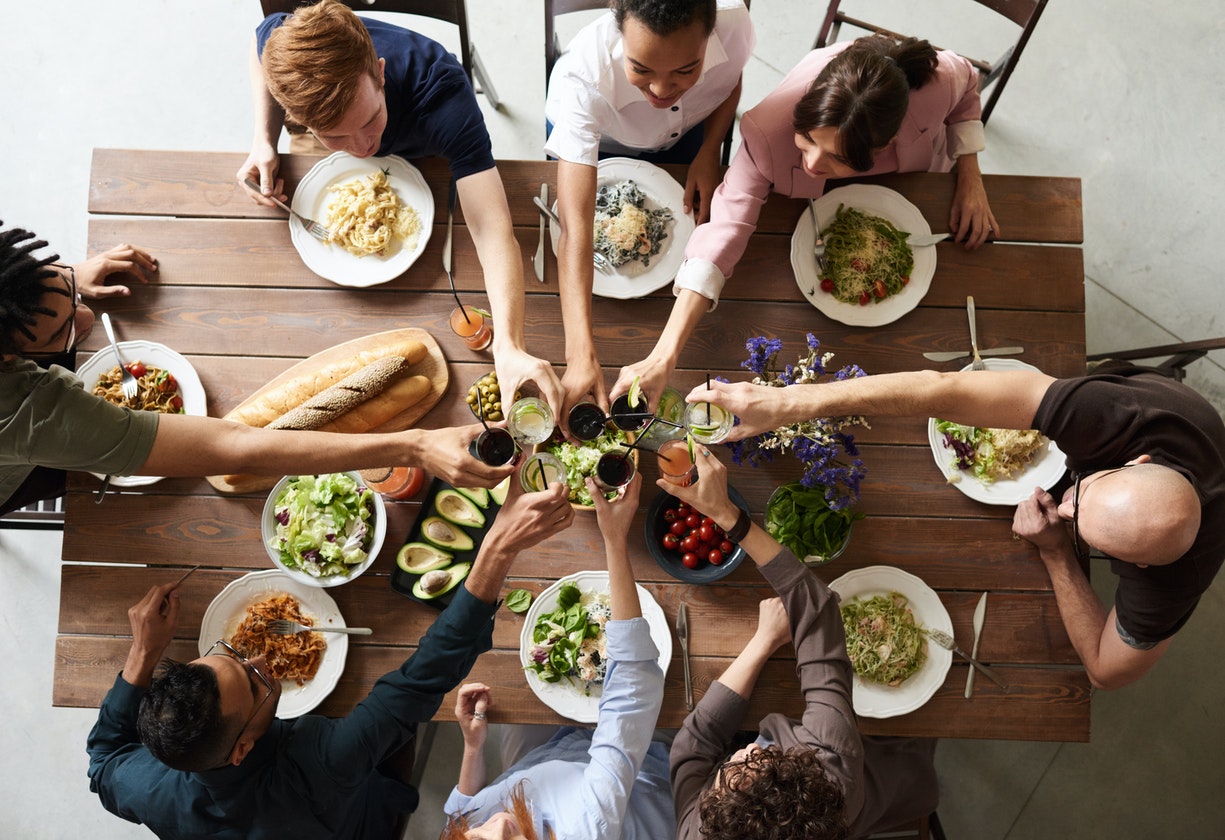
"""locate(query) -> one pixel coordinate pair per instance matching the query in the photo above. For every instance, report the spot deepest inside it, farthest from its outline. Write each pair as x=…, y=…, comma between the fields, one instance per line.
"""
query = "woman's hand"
x=614, y=517
x=709, y=493
x=583, y=376
x=471, y=707
x=122, y=259
x=971, y=219
x=703, y=179
x=652, y=374
x=515, y=366
x=773, y=628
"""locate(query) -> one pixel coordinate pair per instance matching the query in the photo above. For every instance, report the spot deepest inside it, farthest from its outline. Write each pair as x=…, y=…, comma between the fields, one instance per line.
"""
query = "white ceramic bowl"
x=268, y=529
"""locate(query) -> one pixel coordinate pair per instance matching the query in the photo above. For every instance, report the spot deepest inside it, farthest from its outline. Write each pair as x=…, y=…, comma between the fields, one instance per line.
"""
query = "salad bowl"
x=316, y=530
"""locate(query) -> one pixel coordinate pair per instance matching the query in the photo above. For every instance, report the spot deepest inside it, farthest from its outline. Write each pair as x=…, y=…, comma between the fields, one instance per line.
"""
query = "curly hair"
x=864, y=92
x=775, y=794
x=180, y=718
x=23, y=285
x=457, y=826
x=314, y=62
x=663, y=17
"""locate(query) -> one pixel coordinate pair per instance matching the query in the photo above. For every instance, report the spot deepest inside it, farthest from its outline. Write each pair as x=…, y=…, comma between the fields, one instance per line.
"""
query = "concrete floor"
x=1096, y=97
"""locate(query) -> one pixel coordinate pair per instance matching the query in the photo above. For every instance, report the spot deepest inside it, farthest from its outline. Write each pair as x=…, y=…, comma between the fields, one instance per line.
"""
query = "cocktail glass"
x=541, y=471
x=675, y=465
x=586, y=421
x=530, y=421
x=615, y=469
x=476, y=330
x=707, y=422
x=628, y=418
x=494, y=447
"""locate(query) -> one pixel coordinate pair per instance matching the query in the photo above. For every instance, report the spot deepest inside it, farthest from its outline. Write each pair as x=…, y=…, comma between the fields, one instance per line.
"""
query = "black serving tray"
x=402, y=581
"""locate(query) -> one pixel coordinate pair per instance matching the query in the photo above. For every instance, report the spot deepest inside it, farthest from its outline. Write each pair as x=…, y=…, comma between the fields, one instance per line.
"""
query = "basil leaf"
x=518, y=600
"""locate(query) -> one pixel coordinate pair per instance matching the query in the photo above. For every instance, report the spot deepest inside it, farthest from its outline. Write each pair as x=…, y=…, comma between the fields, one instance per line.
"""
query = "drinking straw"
x=708, y=399
x=640, y=448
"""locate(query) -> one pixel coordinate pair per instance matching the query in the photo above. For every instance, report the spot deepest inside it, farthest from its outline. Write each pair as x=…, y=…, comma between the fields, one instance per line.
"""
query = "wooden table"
x=236, y=300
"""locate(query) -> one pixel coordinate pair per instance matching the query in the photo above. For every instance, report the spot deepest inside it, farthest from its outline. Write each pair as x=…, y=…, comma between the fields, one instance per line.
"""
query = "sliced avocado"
x=441, y=581
x=478, y=495
x=438, y=531
x=458, y=509
x=417, y=558
x=498, y=494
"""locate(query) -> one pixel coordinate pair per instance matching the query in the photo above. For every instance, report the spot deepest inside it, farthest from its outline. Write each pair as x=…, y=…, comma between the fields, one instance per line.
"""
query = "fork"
x=127, y=380
x=978, y=363
x=946, y=641
x=598, y=260
x=818, y=245
x=312, y=227
x=284, y=627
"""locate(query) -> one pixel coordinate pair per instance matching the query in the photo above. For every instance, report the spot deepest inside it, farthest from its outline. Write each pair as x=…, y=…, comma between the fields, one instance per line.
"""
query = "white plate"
x=879, y=201
x=1045, y=470
x=226, y=612
x=565, y=698
x=882, y=701
x=333, y=262
x=632, y=280
x=153, y=355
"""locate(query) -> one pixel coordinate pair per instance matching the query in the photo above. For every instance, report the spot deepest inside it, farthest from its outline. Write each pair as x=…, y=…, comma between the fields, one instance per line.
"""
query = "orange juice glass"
x=476, y=331
x=674, y=464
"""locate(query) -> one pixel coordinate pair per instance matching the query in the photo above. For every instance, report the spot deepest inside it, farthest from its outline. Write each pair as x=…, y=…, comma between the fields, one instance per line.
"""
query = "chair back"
x=553, y=8
x=1024, y=13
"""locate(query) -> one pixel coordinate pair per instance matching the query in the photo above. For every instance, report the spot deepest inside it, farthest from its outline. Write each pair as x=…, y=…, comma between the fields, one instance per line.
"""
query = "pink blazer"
x=943, y=120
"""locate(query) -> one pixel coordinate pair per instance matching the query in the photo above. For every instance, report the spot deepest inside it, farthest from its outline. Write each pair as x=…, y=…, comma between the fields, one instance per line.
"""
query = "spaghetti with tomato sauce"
x=157, y=389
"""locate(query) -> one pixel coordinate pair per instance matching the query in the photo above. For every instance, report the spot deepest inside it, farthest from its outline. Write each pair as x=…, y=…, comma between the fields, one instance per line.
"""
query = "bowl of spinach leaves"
x=801, y=519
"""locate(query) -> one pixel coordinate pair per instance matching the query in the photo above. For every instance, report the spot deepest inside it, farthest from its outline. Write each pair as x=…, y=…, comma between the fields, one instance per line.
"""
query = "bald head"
x=1147, y=514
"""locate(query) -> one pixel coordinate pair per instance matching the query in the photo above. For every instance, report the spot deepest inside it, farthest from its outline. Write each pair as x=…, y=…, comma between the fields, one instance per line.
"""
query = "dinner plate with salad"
x=640, y=227
x=995, y=466
x=562, y=642
x=885, y=611
x=868, y=265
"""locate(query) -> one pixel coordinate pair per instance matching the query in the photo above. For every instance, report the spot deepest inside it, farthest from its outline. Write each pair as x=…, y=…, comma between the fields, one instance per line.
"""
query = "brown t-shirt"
x=1102, y=421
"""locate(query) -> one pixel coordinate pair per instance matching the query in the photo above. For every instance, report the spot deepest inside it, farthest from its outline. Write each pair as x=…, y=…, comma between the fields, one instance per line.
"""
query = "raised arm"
x=1001, y=399
x=576, y=189
x=487, y=214
x=263, y=164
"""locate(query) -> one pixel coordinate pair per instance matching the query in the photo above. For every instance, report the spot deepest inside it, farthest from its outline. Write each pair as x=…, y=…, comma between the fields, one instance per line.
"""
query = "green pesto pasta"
x=866, y=257
x=884, y=643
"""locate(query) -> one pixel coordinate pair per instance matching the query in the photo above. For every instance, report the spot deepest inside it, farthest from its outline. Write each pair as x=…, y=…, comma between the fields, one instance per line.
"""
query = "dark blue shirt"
x=431, y=108
x=311, y=777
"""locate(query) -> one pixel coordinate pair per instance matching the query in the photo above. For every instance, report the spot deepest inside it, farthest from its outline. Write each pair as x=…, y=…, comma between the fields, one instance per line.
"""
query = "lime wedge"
x=482, y=312
x=635, y=393
x=689, y=443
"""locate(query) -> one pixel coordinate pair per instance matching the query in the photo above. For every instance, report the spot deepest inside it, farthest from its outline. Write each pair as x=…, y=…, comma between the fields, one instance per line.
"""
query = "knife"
x=980, y=612
x=446, y=246
x=929, y=239
x=950, y=355
x=682, y=633
x=538, y=260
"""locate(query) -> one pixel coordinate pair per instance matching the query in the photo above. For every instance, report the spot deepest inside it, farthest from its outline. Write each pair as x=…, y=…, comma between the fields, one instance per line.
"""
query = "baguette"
x=283, y=398
x=350, y=392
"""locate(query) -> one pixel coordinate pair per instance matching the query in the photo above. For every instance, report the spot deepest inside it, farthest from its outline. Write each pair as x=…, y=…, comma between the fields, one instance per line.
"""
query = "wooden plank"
x=1043, y=704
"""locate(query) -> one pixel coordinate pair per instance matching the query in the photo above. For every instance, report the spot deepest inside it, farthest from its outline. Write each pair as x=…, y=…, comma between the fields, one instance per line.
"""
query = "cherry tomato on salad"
x=827, y=284
x=690, y=560
x=678, y=528
x=864, y=298
x=715, y=557
x=905, y=281
x=879, y=289
x=671, y=541
x=859, y=265
x=137, y=369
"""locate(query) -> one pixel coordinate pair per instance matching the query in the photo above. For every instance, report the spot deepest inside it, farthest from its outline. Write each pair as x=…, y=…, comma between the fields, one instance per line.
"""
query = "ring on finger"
x=478, y=715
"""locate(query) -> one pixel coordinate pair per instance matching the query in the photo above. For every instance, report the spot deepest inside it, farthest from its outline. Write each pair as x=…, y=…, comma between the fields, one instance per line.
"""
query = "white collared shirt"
x=593, y=107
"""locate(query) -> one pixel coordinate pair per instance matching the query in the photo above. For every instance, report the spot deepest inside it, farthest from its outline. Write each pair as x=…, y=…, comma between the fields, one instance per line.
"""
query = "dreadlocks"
x=22, y=286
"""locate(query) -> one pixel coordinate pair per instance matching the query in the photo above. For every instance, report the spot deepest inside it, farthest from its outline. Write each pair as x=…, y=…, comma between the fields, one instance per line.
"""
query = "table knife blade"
x=980, y=613
x=682, y=633
x=538, y=260
x=951, y=355
x=446, y=245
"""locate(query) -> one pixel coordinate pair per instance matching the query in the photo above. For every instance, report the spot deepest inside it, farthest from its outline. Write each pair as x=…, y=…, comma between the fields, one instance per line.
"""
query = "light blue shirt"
x=604, y=783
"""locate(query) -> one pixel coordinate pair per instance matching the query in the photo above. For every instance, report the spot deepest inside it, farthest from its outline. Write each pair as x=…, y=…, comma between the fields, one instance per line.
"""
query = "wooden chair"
x=47, y=515
x=448, y=11
x=1024, y=13
x=1180, y=355
x=924, y=828
x=552, y=46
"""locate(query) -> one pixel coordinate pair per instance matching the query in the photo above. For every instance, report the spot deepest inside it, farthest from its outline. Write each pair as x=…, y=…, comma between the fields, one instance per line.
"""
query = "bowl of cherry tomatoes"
x=687, y=544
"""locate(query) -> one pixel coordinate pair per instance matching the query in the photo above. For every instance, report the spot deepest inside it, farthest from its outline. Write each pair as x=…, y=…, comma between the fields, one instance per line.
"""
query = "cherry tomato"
x=693, y=520
x=669, y=514
x=879, y=289
x=176, y=402
x=859, y=265
x=726, y=547
x=864, y=299
x=827, y=284
x=715, y=557
x=706, y=533
x=690, y=543
x=706, y=520
x=682, y=510
x=690, y=560
x=678, y=528
x=137, y=369
x=905, y=281
x=671, y=541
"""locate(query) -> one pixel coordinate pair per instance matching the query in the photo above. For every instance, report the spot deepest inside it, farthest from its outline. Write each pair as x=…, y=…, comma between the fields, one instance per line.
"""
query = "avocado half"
x=478, y=495
x=443, y=534
x=498, y=494
x=440, y=581
x=458, y=509
x=417, y=558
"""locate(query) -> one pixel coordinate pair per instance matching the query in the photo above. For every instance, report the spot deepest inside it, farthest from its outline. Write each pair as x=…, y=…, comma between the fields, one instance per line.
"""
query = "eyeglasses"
x=227, y=650
x=1076, y=506
x=70, y=339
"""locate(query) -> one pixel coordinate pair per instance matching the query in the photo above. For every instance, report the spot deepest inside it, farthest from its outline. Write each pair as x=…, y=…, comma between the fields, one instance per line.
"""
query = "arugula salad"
x=580, y=462
x=323, y=525
x=569, y=643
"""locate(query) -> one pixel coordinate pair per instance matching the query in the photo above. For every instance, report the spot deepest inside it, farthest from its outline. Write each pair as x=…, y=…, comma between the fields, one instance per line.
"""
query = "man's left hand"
x=1037, y=520
x=153, y=619
x=122, y=259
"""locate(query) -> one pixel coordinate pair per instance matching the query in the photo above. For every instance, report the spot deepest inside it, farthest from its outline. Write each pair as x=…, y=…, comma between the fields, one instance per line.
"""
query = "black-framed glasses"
x=70, y=339
x=228, y=650
x=1077, y=477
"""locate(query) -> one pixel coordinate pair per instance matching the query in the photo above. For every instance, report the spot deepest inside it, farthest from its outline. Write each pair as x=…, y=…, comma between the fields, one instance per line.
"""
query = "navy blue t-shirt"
x=431, y=108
